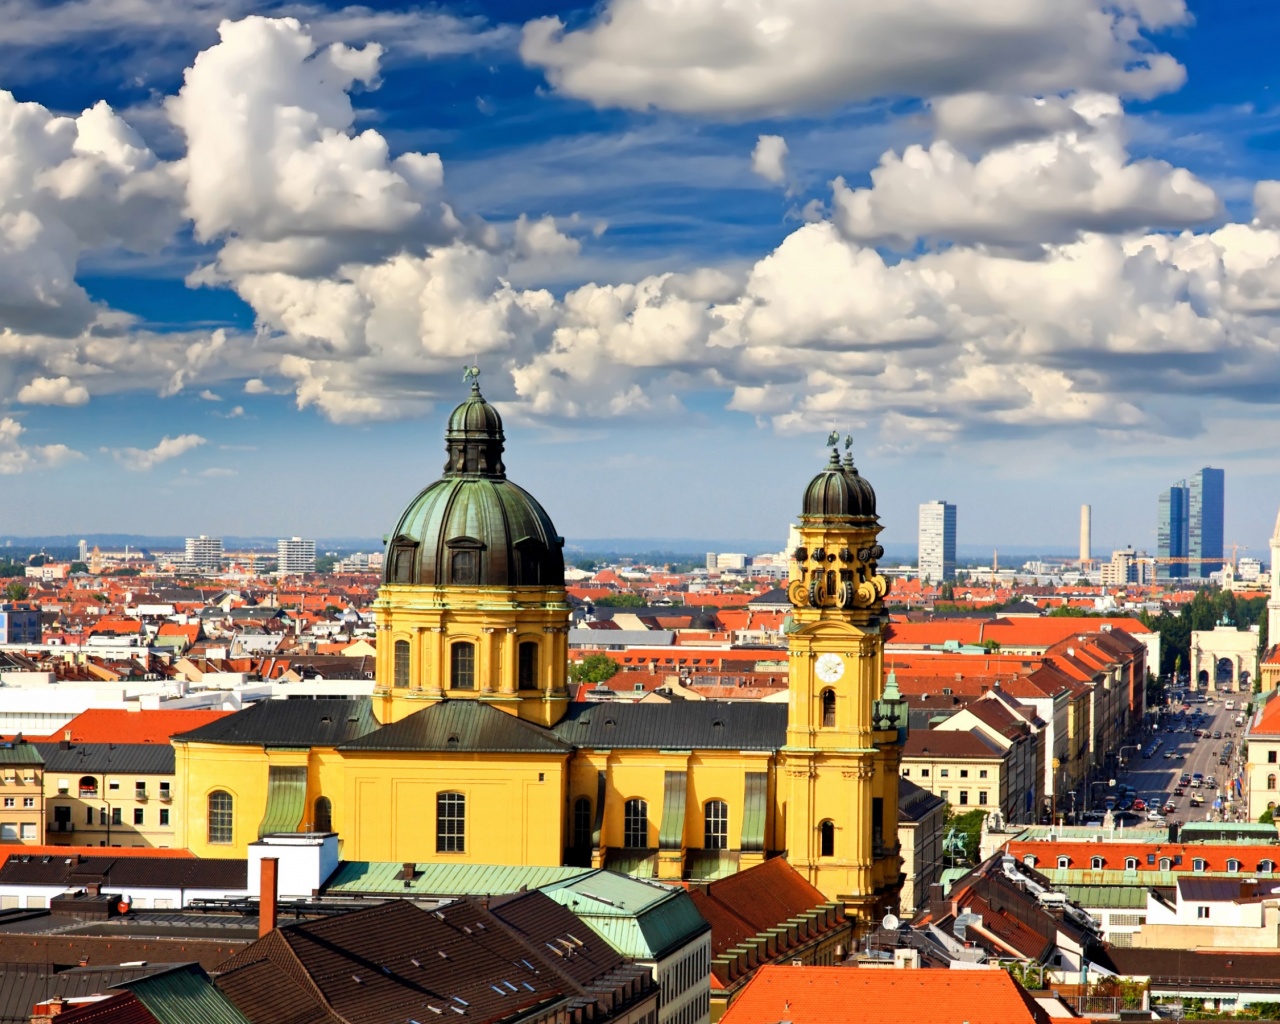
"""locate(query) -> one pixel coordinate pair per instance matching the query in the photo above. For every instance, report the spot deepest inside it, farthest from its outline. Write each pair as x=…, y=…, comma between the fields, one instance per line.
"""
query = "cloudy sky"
x=1027, y=252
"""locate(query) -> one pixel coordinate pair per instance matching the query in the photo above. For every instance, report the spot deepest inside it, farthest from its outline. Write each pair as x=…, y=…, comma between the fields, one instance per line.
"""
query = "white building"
x=204, y=552
x=937, y=557
x=296, y=556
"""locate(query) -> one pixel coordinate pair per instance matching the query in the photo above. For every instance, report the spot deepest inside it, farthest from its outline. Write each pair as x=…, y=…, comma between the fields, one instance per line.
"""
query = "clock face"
x=829, y=667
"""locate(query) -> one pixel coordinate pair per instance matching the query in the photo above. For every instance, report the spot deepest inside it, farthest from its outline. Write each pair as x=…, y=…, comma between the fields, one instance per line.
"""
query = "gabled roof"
x=949, y=743
x=461, y=725
x=80, y=758
x=304, y=723
x=126, y=872
x=115, y=725
x=692, y=725
x=838, y=995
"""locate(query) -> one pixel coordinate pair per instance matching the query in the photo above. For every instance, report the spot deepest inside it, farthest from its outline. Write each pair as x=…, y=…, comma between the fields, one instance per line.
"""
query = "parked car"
x=1178, y=791
x=1139, y=804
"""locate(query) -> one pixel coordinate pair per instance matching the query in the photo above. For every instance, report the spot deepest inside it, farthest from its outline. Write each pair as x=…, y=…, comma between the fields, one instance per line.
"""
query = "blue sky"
x=239, y=301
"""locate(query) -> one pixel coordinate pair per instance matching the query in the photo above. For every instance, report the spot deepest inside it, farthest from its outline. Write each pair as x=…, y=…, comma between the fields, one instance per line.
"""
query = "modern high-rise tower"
x=1171, y=532
x=1205, y=506
x=1273, y=605
x=1189, y=526
x=1086, y=529
x=295, y=556
x=204, y=552
x=937, y=553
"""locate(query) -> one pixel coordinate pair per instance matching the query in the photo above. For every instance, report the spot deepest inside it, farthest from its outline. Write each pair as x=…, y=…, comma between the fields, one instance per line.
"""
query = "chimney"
x=46, y=1011
x=409, y=870
x=268, y=893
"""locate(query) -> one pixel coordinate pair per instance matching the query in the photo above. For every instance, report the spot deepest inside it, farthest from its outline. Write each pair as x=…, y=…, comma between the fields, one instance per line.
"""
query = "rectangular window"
x=964, y=796
x=113, y=785
x=29, y=830
x=982, y=774
x=924, y=773
x=716, y=832
x=8, y=830
x=138, y=815
x=1271, y=757
x=528, y=666
x=102, y=815
x=1202, y=913
x=635, y=824
x=945, y=794
x=982, y=796
x=944, y=772
x=88, y=815
x=28, y=801
x=964, y=773
x=451, y=823
x=10, y=801
x=462, y=668
x=117, y=815
x=906, y=773
x=401, y=666
x=164, y=815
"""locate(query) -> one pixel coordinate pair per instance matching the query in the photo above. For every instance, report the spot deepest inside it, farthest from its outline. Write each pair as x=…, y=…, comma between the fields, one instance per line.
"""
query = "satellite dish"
x=890, y=923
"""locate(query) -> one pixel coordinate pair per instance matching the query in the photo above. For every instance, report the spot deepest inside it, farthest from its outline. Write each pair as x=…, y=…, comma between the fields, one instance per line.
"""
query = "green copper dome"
x=474, y=527
x=839, y=491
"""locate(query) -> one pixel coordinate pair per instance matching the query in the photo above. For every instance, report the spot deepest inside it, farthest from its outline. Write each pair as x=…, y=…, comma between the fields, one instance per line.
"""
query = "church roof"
x=461, y=725
x=688, y=725
x=303, y=723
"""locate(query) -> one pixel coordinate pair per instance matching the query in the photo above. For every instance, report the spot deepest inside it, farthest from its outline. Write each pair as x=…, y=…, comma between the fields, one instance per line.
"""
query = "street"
x=1155, y=778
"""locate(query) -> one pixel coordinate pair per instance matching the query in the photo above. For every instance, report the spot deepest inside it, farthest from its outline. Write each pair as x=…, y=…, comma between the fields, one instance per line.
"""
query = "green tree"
x=1265, y=818
x=969, y=825
x=1066, y=611
x=594, y=668
x=79, y=567
x=585, y=564
x=16, y=591
x=621, y=601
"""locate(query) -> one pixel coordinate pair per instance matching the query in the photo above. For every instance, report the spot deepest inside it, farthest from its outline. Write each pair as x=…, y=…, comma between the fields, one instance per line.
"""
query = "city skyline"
x=661, y=284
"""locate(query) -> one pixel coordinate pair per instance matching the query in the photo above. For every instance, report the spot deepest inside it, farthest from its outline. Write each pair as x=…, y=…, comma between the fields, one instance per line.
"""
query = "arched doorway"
x=1202, y=679
x=1224, y=674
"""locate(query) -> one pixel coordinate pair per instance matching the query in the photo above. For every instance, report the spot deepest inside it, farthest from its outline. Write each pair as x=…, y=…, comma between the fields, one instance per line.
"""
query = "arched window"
x=1029, y=860
x=1271, y=782
x=1266, y=867
x=527, y=667
x=220, y=817
x=828, y=709
x=582, y=823
x=88, y=786
x=451, y=823
x=1095, y=863
x=1233, y=865
x=1064, y=862
x=462, y=666
x=635, y=824
x=827, y=831
x=1166, y=864
x=1131, y=863
x=401, y=676
x=324, y=814
x=715, y=822
x=1198, y=864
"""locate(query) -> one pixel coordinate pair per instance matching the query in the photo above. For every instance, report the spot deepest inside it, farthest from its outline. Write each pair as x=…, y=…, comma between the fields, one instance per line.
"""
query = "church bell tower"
x=839, y=768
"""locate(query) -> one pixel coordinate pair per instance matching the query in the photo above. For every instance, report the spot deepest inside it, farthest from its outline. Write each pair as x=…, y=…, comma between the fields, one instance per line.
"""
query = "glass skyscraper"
x=937, y=554
x=1171, y=532
x=1189, y=526
x=1205, y=500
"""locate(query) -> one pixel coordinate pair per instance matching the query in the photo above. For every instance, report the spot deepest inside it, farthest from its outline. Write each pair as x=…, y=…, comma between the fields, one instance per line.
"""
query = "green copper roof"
x=641, y=920
x=1107, y=897
x=385, y=877
x=286, y=799
x=184, y=995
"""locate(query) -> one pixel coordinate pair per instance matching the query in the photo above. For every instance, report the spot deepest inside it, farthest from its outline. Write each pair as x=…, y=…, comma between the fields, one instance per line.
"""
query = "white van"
x=1231, y=705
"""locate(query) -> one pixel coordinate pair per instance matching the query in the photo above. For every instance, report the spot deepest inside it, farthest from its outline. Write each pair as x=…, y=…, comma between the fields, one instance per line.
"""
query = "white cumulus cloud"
x=1031, y=191
x=734, y=59
x=15, y=457
x=769, y=158
x=140, y=460
x=53, y=391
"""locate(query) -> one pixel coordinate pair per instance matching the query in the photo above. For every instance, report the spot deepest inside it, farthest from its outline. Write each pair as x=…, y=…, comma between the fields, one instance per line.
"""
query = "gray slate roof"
x=461, y=725
x=82, y=758
x=302, y=723
x=687, y=725
x=159, y=872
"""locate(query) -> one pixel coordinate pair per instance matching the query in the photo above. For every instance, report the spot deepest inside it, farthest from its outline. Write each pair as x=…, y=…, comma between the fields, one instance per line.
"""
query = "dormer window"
x=1131, y=863
x=1064, y=863
x=1266, y=867
x=1233, y=865
x=1199, y=864
x=1166, y=864
x=1029, y=860
x=1095, y=863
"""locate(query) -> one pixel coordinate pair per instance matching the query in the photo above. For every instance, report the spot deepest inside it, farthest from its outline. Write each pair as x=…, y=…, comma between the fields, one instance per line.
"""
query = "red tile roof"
x=1114, y=855
x=843, y=995
x=113, y=725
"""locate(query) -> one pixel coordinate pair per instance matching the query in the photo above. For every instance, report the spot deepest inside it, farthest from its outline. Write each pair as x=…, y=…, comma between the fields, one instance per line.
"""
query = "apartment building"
x=295, y=556
x=966, y=768
x=21, y=799
x=109, y=794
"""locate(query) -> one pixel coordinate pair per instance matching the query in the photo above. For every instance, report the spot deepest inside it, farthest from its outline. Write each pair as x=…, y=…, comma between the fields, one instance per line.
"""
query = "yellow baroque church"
x=471, y=751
